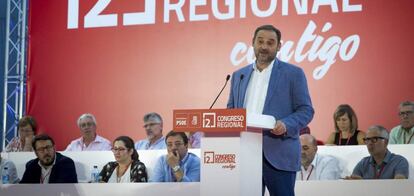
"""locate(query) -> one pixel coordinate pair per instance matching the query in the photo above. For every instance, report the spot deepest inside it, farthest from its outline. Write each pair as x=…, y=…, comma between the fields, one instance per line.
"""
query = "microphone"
x=238, y=89
x=227, y=79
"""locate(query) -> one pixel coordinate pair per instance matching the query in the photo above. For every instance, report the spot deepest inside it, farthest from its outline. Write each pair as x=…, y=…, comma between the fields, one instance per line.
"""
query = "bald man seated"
x=315, y=166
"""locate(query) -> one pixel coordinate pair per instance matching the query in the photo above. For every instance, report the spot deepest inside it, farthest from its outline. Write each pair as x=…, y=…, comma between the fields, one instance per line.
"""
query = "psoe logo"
x=194, y=120
x=181, y=120
x=209, y=120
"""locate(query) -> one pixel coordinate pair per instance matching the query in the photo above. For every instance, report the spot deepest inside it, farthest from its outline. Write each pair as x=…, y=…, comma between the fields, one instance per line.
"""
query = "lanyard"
x=409, y=139
x=310, y=173
x=378, y=174
x=42, y=178
x=340, y=138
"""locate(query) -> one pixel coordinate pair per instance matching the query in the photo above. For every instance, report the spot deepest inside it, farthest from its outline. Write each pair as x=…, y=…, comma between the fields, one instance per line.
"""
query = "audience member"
x=403, y=133
x=89, y=141
x=27, y=128
x=178, y=165
x=346, y=127
x=127, y=167
x=316, y=166
x=49, y=166
x=381, y=164
x=153, y=128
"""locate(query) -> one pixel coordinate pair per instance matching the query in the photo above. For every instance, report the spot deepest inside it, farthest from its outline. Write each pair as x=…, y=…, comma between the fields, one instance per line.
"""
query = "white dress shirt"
x=257, y=89
x=46, y=171
x=98, y=144
x=323, y=167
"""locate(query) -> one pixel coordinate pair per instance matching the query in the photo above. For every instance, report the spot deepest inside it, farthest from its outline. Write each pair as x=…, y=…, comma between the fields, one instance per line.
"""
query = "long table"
x=308, y=188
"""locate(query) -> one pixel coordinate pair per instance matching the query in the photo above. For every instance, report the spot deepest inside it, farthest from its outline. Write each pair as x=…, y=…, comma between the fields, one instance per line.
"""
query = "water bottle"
x=5, y=176
x=95, y=174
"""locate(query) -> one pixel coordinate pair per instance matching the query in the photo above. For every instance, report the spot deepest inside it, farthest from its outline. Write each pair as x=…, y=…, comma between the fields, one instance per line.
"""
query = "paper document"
x=260, y=121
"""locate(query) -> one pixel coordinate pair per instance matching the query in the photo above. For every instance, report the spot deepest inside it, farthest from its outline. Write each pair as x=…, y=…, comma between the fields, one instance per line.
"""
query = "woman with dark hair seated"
x=127, y=167
x=346, y=128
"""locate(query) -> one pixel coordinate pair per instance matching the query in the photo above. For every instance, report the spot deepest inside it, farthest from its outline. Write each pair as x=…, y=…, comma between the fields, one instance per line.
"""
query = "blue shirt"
x=190, y=165
x=392, y=165
x=145, y=144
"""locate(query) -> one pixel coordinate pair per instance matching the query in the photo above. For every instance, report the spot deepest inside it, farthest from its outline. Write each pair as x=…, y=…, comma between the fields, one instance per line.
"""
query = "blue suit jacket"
x=287, y=100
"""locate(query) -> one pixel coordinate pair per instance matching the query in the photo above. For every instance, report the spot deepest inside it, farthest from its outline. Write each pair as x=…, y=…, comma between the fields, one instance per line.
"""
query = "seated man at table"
x=153, y=128
x=49, y=166
x=381, y=164
x=178, y=165
x=90, y=140
x=315, y=166
x=404, y=132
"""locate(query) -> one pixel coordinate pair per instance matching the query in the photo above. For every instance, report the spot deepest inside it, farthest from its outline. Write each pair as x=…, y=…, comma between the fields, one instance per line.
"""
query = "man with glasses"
x=89, y=141
x=153, y=128
x=49, y=166
x=178, y=165
x=403, y=133
x=382, y=164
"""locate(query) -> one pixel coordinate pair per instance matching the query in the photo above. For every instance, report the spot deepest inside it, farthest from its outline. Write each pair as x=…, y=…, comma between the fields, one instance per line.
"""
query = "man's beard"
x=49, y=163
x=266, y=58
x=305, y=162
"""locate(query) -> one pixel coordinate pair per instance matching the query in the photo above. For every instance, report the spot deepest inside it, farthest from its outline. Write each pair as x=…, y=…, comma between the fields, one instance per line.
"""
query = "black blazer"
x=62, y=172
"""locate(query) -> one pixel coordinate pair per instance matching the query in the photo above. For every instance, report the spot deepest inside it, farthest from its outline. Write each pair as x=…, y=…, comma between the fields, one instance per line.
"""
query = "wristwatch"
x=176, y=168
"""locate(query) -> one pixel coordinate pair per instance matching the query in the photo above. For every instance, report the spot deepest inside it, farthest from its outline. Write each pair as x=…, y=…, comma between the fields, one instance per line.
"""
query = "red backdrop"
x=119, y=72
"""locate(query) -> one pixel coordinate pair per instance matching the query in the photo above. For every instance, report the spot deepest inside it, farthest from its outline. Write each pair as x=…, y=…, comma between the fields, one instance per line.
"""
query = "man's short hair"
x=28, y=120
x=268, y=28
x=173, y=133
x=41, y=137
x=406, y=103
x=87, y=115
x=152, y=117
x=382, y=130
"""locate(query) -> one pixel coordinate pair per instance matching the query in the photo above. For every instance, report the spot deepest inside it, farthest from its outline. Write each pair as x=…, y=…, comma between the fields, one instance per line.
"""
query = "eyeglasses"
x=405, y=113
x=178, y=144
x=114, y=150
x=372, y=139
x=42, y=149
x=150, y=125
x=88, y=124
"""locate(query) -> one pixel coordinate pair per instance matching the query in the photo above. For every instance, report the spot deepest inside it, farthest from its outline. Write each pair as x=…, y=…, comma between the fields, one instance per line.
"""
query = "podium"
x=231, y=159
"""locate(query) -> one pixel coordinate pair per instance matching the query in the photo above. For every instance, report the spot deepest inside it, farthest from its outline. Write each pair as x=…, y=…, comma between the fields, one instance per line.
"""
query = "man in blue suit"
x=272, y=87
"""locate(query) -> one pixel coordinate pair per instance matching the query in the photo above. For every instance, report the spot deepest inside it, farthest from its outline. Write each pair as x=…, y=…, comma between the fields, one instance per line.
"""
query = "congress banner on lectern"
x=122, y=59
